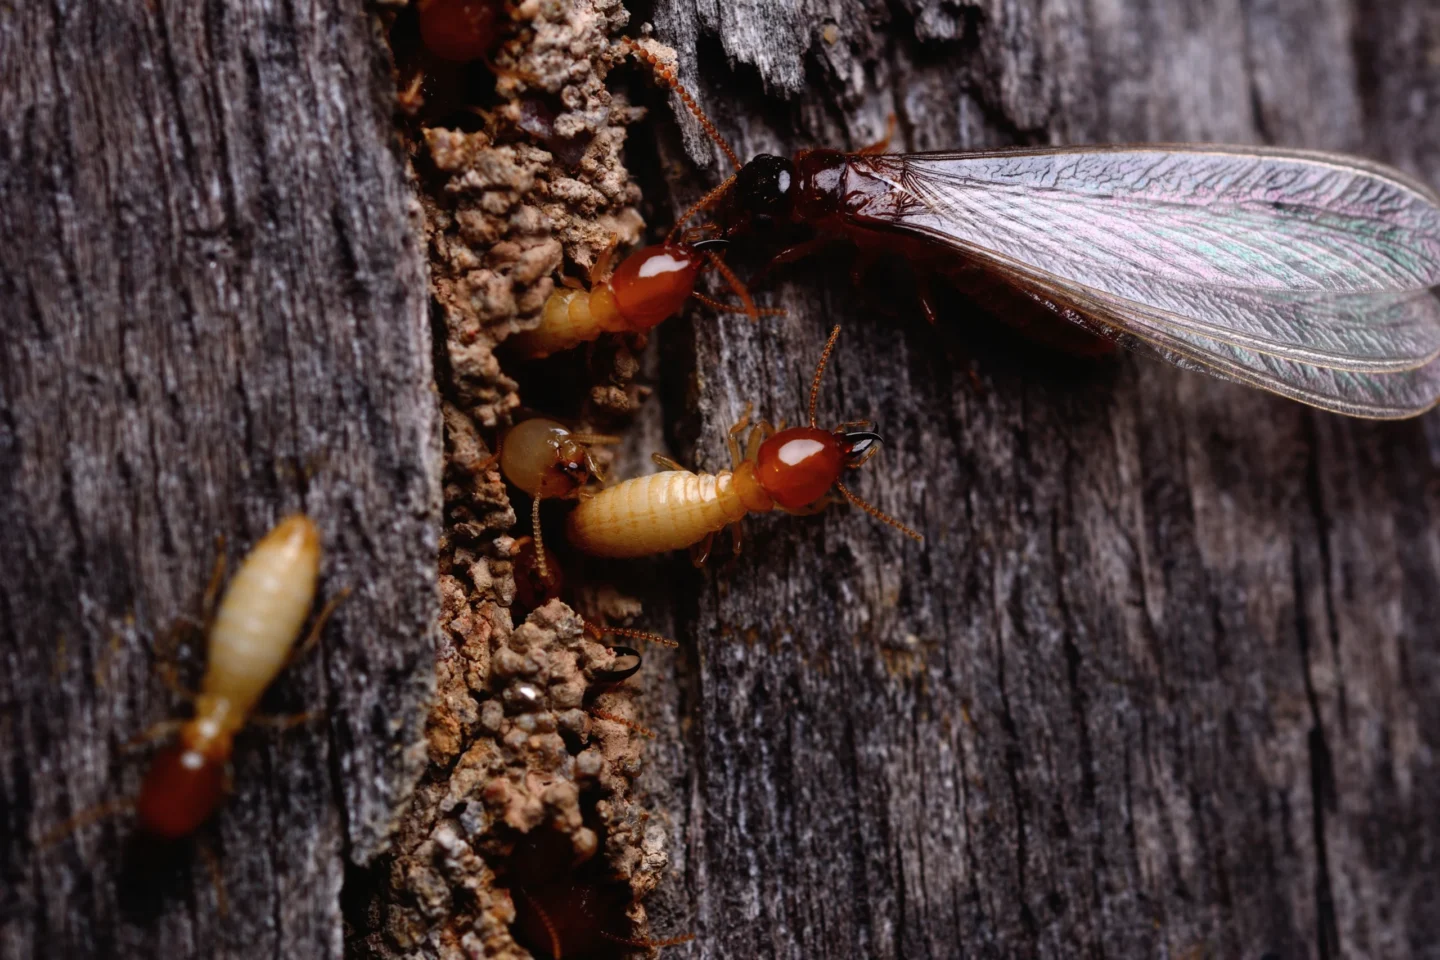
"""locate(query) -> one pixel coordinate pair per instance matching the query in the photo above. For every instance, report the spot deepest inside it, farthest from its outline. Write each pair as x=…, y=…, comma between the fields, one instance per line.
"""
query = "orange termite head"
x=185, y=783
x=653, y=283
x=546, y=459
x=800, y=465
x=458, y=30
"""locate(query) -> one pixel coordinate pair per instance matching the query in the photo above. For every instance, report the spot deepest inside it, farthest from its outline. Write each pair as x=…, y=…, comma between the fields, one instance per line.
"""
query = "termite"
x=250, y=640
x=548, y=461
x=459, y=30
x=649, y=286
x=794, y=470
x=1311, y=275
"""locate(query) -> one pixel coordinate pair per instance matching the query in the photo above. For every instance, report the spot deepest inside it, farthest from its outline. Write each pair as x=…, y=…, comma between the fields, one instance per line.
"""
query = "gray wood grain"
x=1163, y=679
x=215, y=312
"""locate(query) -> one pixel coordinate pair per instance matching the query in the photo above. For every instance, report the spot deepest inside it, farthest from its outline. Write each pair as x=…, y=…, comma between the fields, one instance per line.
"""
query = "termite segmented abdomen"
x=571, y=317
x=655, y=513
x=261, y=615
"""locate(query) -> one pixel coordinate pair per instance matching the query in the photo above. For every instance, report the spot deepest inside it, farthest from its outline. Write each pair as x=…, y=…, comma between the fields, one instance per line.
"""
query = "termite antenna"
x=597, y=632
x=646, y=635
x=599, y=714
x=703, y=203
x=545, y=921
x=735, y=284
x=540, y=565
x=81, y=820
x=667, y=77
x=820, y=372
x=877, y=513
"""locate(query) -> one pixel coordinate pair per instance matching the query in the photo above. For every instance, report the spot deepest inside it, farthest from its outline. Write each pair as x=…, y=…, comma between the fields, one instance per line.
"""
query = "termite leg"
x=83, y=819
x=700, y=551
x=732, y=439
x=761, y=432
x=735, y=538
x=754, y=313
x=645, y=732
x=883, y=144
x=217, y=878
x=217, y=580
x=927, y=304
x=663, y=461
x=313, y=637
x=791, y=254
x=283, y=722
x=156, y=731
x=165, y=664
x=600, y=269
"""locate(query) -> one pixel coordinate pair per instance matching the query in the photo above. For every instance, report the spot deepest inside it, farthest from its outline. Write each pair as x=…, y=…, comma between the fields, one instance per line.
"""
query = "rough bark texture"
x=214, y=312
x=1163, y=679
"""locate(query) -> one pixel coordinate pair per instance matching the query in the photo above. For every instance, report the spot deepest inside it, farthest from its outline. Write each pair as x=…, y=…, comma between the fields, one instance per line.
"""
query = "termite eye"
x=763, y=186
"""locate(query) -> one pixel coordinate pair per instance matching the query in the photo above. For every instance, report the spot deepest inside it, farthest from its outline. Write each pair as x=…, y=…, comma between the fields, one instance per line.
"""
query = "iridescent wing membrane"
x=1308, y=274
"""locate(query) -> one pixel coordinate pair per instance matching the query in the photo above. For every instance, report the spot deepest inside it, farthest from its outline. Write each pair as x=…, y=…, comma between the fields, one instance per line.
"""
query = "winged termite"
x=1313, y=275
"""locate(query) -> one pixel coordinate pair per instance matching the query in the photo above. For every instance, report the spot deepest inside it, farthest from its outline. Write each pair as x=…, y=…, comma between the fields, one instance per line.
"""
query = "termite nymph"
x=252, y=638
x=548, y=461
x=793, y=470
x=649, y=286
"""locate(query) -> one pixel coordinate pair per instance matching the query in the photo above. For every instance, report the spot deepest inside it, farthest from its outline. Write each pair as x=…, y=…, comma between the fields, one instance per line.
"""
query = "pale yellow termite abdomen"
x=260, y=617
x=656, y=513
x=570, y=318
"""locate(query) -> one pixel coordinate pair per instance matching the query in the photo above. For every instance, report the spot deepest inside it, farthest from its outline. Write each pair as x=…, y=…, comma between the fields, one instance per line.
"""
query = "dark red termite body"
x=825, y=197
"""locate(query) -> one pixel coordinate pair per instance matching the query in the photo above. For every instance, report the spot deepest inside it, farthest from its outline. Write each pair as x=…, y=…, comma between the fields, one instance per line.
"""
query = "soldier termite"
x=250, y=640
x=794, y=470
x=649, y=286
x=1311, y=275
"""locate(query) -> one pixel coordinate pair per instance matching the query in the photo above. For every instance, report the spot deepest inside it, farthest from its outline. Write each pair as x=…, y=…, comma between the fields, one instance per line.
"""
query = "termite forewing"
x=261, y=616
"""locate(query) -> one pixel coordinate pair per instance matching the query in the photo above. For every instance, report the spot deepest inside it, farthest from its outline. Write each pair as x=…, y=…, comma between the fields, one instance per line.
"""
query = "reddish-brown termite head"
x=459, y=30
x=799, y=466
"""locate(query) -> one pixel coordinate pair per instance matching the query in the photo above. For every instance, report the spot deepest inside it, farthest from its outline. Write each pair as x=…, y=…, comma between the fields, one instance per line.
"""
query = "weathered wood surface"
x=214, y=312
x=1164, y=679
